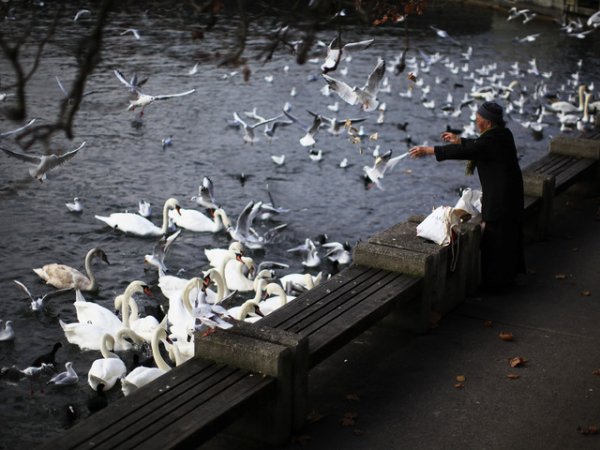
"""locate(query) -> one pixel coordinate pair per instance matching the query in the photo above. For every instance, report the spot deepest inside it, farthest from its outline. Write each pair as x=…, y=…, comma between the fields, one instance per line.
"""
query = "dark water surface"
x=123, y=161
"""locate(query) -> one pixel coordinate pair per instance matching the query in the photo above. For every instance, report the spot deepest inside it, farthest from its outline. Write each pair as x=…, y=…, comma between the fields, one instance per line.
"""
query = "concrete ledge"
x=570, y=146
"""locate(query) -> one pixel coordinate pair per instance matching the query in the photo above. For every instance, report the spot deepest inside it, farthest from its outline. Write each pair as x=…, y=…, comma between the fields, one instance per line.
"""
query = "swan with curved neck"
x=218, y=257
x=143, y=327
x=222, y=291
x=140, y=226
x=194, y=220
x=234, y=276
x=249, y=306
x=66, y=277
x=279, y=299
x=179, y=317
x=106, y=370
x=567, y=107
x=141, y=376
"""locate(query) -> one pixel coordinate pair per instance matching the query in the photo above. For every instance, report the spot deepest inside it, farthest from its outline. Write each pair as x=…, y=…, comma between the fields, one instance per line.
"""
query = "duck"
x=137, y=225
x=98, y=401
x=108, y=369
x=66, y=378
x=140, y=376
x=65, y=277
x=47, y=358
x=194, y=220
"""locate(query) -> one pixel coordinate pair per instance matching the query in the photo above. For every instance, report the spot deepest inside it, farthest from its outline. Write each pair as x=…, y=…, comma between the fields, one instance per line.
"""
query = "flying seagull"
x=365, y=96
x=336, y=52
x=133, y=84
x=43, y=163
x=144, y=100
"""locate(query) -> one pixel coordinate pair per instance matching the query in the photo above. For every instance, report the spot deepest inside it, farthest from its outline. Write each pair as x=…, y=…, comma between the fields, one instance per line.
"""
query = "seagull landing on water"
x=133, y=84
x=144, y=100
x=43, y=163
x=365, y=96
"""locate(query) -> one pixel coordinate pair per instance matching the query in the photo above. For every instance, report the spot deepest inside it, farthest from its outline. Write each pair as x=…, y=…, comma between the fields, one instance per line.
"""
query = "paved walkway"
x=387, y=390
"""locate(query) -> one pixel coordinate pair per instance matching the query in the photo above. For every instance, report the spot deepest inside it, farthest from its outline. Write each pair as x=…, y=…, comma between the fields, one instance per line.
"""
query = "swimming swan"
x=140, y=226
x=194, y=220
x=61, y=276
x=140, y=376
x=108, y=369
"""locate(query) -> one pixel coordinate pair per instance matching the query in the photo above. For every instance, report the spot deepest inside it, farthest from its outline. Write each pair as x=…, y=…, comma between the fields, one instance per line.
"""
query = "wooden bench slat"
x=540, y=165
x=195, y=415
x=341, y=330
x=299, y=308
x=336, y=303
x=564, y=179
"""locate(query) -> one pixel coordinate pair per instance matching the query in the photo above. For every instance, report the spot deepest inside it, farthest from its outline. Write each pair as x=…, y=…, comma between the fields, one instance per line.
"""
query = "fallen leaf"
x=586, y=293
x=412, y=77
x=596, y=372
x=517, y=361
x=459, y=385
x=353, y=397
x=592, y=429
x=460, y=378
x=313, y=416
x=560, y=276
x=301, y=439
x=488, y=324
x=506, y=336
x=513, y=376
x=374, y=137
x=349, y=419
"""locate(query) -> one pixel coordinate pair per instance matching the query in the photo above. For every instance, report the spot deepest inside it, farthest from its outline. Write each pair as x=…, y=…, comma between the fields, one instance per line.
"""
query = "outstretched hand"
x=420, y=150
x=450, y=137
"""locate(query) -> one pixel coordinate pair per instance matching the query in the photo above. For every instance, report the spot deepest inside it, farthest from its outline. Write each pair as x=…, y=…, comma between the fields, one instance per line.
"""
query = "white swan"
x=106, y=370
x=141, y=326
x=194, y=220
x=222, y=291
x=567, y=107
x=205, y=313
x=61, y=276
x=140, y=226
x=178, y=316
x=140, y=376
x=218, y=257
x=250, y=306
x=306, y=280
x=88, y=334
x=270, y=304
x=235, y=278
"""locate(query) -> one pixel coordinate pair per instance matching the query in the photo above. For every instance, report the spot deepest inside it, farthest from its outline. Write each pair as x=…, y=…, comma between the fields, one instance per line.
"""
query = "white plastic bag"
x=470, y=202
x=437, y=226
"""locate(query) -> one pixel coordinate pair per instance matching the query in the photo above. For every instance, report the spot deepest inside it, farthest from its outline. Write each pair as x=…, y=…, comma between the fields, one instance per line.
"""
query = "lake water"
x=123, y=160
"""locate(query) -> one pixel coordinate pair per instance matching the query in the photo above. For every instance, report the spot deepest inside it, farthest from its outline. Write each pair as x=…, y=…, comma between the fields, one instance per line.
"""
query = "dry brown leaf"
x=374, y=137
x=596, y=372
x=313, y=416
x=460, y=378
x=353, y=397
x=488, y=324
x=592, y=429
x=302, y=439
x=459, y=385
x=349, y=419
x=412, y=77
x=560, y=276
x=513, y=376
x=517, y=361
x=506, y=336
x=586, y=293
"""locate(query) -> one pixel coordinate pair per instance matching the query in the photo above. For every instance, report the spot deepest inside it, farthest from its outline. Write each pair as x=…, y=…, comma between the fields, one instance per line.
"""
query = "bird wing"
x=181, y=94
x=207, y=192
x=62, y=88
x=238, y=119
x=21, y=156
x=315, y=125
x=295, y=120
x=342, y=89
x=24, y=289
x=58, y=160
x=356, y=46
x=374, y=80
x=122, y=79
x=244, y=220
x=8, y=133
x=393, y=161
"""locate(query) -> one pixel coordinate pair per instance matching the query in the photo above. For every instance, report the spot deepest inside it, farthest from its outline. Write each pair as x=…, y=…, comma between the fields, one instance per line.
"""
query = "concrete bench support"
x=539, y=186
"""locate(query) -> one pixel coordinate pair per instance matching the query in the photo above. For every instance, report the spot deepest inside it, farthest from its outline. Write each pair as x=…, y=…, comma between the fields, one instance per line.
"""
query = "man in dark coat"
x=494, y=154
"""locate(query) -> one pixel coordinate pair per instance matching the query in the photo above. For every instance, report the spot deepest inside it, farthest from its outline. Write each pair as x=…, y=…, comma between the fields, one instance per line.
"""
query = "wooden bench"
x=180, y=409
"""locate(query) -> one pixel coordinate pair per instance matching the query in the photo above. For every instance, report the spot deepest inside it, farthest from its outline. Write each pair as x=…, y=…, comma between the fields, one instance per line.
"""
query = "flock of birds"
x=245, y=289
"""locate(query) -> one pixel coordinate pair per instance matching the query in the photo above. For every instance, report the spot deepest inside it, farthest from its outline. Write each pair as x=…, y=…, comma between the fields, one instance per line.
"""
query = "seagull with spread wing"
x=383, y=163
x=43, y=163
x=206, y=197
x=336, y=52
x=309, y=138
x=365, y=96
x=249, y=128
x=133, y=84
x=144, y=100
